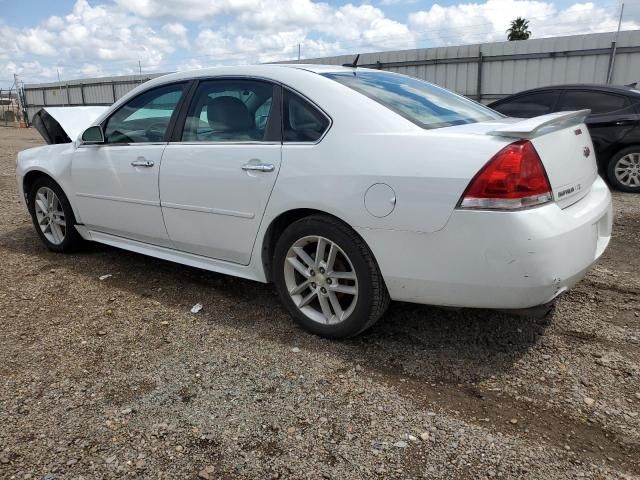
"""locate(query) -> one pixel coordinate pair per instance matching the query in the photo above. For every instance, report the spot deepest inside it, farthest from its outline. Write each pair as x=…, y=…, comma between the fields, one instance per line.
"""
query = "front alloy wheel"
x=52, y=216
x=327, y=277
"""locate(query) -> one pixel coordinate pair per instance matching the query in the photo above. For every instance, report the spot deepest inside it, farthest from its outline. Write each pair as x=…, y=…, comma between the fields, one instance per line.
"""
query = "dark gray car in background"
x=614, y=123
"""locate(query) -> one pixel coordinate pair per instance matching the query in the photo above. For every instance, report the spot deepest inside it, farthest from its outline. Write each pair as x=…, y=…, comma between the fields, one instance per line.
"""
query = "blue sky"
x=88, y=38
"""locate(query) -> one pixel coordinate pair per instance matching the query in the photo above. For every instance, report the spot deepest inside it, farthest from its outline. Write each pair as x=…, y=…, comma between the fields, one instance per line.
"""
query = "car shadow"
x=427, y=344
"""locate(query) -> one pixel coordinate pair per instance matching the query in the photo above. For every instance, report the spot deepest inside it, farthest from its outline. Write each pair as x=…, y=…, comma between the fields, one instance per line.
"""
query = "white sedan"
x=346, y=187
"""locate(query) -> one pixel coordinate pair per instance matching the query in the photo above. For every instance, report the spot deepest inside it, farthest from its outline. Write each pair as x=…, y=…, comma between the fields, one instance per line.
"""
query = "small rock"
x=412, y=438
x=197, y=308
x=513, y=421
x=401, y=444
x=4, y=459
x=104, y=277
x=165, y=322
x=638, y=395
x=295, y=349
x=291, y=429
x=102, y=333
x=424, y=436
x=126, y=411
x=589, y=401
x=141, y=464
x=206, y=473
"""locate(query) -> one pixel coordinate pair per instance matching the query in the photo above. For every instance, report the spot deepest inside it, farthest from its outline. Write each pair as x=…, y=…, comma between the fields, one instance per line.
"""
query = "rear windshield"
x=422, y=103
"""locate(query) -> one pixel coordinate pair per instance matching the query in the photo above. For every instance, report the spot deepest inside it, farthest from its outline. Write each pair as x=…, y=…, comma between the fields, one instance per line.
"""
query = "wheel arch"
x=32, y=176
x=281, y=222
x=623, y=147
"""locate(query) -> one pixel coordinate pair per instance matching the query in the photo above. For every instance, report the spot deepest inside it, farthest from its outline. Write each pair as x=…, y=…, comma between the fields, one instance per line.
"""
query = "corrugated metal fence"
x=493, y=70
x=482, y=71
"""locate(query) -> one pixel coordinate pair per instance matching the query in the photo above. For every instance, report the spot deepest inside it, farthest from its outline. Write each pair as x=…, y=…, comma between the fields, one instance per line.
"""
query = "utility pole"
x=60, y=86
x=140, y=67
x=19, y=95
x=614, y=46
x=299, y=48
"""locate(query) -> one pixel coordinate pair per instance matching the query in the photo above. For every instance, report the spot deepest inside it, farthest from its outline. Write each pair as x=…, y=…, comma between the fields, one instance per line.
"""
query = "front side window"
x=598, y=102
x=145, y=118
x=229, y=111
x=530, y=105
x=422, y=103
x=302, y=121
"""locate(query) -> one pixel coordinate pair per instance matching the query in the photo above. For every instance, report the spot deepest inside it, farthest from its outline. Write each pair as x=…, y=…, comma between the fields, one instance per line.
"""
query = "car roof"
x=585, y=86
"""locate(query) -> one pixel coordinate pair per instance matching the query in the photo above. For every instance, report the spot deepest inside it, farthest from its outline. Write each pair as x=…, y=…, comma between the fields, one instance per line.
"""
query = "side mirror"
x=93, y=135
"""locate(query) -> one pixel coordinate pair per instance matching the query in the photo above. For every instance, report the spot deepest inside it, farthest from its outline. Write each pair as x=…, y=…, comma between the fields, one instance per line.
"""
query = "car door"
x=528, y=105
x=219, y=169
x=116, y=182
x=612, y=117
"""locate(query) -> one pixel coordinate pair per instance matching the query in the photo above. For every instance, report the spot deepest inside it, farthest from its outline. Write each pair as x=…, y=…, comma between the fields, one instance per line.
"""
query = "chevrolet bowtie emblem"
x=586, y=151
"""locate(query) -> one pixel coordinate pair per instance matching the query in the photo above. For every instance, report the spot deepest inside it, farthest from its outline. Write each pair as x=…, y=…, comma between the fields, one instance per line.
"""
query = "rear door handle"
x=625, y=122
x=259, y=167
x=142, y=163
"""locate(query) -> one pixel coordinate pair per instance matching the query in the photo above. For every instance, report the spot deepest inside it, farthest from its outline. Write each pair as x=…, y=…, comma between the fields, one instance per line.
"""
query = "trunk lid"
x=563, y=144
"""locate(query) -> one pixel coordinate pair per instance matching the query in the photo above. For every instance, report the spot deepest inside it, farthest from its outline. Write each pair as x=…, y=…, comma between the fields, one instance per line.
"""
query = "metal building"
x=482, y=71
x=98, y=91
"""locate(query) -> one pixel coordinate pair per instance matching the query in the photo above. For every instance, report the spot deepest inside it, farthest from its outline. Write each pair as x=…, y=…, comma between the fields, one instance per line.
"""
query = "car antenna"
x=354, y=64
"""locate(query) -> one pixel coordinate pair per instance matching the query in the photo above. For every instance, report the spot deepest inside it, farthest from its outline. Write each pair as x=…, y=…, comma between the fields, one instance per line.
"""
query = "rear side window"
x=422, y=103
x=531, y=105
x=229, y=111
x=598, y=102
x=302, y=121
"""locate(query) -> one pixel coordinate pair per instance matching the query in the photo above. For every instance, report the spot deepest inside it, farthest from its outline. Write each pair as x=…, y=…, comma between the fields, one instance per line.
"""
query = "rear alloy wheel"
x=624, y=170
x=327, y=278
x=52, y=216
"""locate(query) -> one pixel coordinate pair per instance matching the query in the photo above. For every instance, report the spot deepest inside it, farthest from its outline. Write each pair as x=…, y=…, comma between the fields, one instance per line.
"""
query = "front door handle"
x=259, y=167
x=142, y=163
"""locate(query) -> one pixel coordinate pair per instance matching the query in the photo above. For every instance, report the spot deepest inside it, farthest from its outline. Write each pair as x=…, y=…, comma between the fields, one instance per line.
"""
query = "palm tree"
x=519, y=30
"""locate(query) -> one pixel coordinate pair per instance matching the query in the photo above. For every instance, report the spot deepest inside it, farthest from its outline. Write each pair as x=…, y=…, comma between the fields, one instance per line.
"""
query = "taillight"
x=514, y=178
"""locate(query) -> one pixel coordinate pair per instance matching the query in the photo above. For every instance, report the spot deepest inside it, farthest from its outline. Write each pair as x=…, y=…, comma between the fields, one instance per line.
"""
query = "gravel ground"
x=115, y=377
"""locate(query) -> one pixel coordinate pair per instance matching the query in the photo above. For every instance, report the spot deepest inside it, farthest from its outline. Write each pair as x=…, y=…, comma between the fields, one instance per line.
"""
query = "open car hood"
x=64, y=124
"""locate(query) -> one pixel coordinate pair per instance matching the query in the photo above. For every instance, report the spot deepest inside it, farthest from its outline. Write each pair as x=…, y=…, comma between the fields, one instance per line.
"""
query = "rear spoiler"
x=64, y=124
x=533, y=127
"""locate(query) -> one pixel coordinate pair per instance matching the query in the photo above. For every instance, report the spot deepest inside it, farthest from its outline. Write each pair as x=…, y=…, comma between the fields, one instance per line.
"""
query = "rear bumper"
x=496, y=259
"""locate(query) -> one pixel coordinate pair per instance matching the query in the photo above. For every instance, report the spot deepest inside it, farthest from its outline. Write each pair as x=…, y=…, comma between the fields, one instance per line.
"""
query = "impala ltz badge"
x=578, y=131
x=586, y=151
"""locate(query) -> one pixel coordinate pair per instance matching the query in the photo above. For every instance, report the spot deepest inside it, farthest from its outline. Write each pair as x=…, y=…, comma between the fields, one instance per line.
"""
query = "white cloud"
x=188, y=9
x=110, y=37
x=485, y=22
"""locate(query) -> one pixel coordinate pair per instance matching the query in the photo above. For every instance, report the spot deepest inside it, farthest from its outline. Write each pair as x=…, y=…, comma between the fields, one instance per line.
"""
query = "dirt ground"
x=113, y=378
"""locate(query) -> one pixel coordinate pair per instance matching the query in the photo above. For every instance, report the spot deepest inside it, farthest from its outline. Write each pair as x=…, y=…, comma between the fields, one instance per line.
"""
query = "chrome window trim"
x=102, y=145
x=230, y=142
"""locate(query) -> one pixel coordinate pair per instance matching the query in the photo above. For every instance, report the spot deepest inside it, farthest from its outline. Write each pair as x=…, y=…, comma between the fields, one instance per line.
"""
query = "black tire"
x=611, y=167
x=72, y=239
x=373, y=298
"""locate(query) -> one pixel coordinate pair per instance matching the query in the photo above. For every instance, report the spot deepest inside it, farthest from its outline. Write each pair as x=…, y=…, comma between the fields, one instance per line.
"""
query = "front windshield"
x=423, y=103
